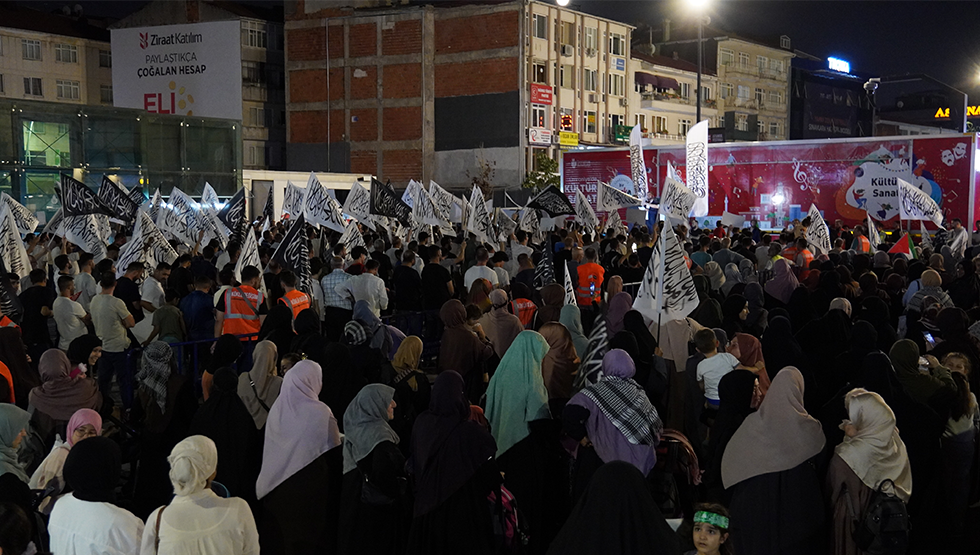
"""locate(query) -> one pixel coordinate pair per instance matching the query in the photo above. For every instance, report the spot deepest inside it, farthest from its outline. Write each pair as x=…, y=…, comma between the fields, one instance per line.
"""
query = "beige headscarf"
x=192, y=462
x=267, y=383
x=406, y=361
x=779, y=436
x=876, y=453
x=561, y=363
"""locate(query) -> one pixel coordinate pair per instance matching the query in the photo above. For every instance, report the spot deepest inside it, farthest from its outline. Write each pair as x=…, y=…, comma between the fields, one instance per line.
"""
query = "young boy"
x=714, y=366
x=168, y=322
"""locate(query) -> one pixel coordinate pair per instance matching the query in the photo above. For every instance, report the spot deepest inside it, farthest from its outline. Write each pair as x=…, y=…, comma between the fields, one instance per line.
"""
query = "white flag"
x=873, y=234
x=926, y=238
x=12, y=249
x=358, y=204
x=915, y=204
x=697, y=166
x=411, y=194
x=530, y=222
x=478, y=218
x=584, y=213
x=614, y=223
x=569, y=287
x=637, y=165
x=610, y=198
x=446, y=203
x=86, y=232
x=147, y=245
x=667, y=288
x=352, y=237
x=174, y=225
x=292, y=200
x=26, y=220
x=183, y=206
x=817, y=234
x=320, y=208
x=249, y=255
x=152, y=205
x=209, y=214
x=506, y=225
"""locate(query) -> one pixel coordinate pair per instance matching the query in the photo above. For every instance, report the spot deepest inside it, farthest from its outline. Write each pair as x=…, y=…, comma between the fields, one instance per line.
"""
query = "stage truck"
x=775, y=182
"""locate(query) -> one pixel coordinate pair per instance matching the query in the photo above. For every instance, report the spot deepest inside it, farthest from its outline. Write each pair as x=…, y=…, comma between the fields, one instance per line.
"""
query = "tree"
x=483, y=177
x=545, y=176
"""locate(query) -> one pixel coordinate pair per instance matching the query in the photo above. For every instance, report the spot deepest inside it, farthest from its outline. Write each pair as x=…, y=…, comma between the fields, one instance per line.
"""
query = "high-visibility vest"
x=240, y=319
x=864, y=245
x=790, y=253
x=296, y=300
x=524, y=309
x=6, y=376
x=804, y=259
x=588, y=275
x=7, y=322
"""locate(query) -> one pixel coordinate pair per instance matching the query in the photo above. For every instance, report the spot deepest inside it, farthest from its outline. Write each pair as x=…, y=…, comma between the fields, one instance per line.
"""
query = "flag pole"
x=661, y=271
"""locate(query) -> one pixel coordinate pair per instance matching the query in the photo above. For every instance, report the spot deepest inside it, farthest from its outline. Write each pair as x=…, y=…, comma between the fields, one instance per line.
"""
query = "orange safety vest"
x=804, y=259
x=5, y=375
x=790, y=253
x=296, y=300
x=7, y=322
x=524, y=309
x=242, y=312
x=865, y=243
x=588, y=275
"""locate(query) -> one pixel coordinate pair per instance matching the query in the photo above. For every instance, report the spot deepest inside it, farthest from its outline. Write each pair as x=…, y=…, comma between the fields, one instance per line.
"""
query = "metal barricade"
x=188, y=359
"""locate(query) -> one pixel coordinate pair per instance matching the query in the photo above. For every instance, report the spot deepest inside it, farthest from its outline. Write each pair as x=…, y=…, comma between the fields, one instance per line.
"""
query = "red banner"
x=541, y=94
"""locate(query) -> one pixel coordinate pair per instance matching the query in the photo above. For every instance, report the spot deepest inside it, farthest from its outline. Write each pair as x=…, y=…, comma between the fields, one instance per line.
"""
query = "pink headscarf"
x=81, y=418
x=783, y=283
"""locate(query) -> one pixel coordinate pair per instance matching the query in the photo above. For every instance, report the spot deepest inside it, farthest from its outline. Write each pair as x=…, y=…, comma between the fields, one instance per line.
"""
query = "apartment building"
x=53, y=57
x=664, y=97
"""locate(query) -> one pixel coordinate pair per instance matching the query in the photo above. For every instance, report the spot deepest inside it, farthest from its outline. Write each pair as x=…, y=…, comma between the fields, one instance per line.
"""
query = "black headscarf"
x=81, y=347
x=779, y=348
x=616, y=514
x=227, y=350
x=965, y=290
x=708, y=312
x=732, y=308
x=92, y=469
x=308, y=339
x=800, y=308
x=735, y=392
x=278, y=328
x=447, y=447
x=342, y=379
x=756, y=320
x=875, y=311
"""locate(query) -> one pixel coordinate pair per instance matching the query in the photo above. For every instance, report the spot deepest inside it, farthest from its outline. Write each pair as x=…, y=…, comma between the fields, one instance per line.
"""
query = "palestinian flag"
x=904, y=246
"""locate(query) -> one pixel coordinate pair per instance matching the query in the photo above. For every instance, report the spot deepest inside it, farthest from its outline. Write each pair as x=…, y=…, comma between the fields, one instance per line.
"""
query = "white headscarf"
x=192, y=462
x=876, y=452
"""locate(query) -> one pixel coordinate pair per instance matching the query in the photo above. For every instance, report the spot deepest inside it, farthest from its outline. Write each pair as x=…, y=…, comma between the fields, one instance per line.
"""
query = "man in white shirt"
x=366, y=287
x=518, y=246
x=111, y=319
x=152, y=292
x=69, y=316
x=959, y=239
x=480, y=270
x=84, y=281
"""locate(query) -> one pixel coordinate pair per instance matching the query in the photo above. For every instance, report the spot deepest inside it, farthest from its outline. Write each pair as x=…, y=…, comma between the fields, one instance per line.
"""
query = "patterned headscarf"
x=157, y=365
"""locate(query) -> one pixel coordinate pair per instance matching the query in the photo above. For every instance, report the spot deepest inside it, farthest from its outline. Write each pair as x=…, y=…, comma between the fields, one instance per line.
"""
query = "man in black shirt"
x=37, y=300
x=129, y=291
x=407, y=284
x=181, y=279
x=437, y=282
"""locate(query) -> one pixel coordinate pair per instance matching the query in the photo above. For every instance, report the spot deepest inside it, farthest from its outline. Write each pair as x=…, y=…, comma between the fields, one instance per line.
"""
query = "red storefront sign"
x=541, y=94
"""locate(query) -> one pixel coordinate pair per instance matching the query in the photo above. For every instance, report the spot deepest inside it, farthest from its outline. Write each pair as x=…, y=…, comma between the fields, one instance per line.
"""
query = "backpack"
x=884, y=526
x=509, y=528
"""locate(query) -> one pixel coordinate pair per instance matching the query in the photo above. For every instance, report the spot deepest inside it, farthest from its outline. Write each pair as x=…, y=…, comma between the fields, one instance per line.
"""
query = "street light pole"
x=697, y=117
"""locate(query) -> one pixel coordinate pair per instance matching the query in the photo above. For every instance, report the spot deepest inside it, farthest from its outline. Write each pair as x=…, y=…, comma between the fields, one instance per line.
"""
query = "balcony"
x=648, y=98
x=755, y=71
x=774, y=107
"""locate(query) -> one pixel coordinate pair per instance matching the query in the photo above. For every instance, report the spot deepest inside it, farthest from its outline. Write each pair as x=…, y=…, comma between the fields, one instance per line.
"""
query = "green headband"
x=712, y=519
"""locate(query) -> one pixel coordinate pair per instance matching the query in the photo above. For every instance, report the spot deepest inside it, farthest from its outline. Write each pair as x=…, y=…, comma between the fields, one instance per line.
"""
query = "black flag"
x=123, y=207
x=78, y=200
x=544, y=272
x=136, y=195
x=385, y=202
x=232, y=214
x=9, y=301
x=268, y=209
x=552, y=201
x=293, y=254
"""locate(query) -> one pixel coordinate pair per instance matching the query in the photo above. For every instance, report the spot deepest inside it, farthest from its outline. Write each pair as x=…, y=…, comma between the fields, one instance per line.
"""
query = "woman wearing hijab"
x=299, y=461
x=553, y=301
x=875, y=311
x=716, y=278
x=733, y=277
x=779, y=348
x=559, y=366
x=375, y=514
x=454, y=468
x=736, y=392
x=461, y=350
x=197, y=520
x=616, y=514
x=366, y=361
x=954, y=326
x=612, y=420
x=872, y=452
x=278, y=328
x=85, y=423
x=14, y=422
x=87, y=520
x=735, y=310
x=776, y=505
x=83, y=352
x=412, y=390
x=527, y=438
x=747, y=269
x=342, y=378
x=571, y=318
x=708, y=312
x=757, y=319
x=378, y=332
x=965, y=289
x=165, y=407
x=619, y=305
x=227, y=422
x=480, y=294
x=259, y=387
x=499, y=324
x=934, y=388
x=822, y=340
x=781, y=286
x=801, y=311
x=308, y=339
x=13, y=354
x=59, y=396
x=227, y=350
x=651, y=369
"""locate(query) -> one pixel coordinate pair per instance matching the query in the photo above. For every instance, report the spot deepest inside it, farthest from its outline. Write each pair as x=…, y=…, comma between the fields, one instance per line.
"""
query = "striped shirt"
x=329, y=285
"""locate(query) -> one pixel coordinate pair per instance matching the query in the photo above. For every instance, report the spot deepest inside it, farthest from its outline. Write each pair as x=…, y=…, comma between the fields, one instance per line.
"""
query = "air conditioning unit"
x=593, y=98
x=590, y=52
x=567, y=50
x=622, y=102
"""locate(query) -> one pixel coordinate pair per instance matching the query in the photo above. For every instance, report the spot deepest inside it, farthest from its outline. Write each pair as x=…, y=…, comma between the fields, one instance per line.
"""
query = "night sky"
x=879, y=38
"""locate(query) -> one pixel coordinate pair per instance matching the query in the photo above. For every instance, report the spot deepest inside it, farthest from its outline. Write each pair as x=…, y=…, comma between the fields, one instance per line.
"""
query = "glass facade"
x=41, y=140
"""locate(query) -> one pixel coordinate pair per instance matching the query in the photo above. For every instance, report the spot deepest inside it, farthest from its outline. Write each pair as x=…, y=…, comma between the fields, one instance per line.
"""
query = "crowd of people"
x=446, y=395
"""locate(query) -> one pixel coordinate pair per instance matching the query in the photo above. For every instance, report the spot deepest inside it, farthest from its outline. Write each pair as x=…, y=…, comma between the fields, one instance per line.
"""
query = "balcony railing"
x=755, y=71
x=677, y=99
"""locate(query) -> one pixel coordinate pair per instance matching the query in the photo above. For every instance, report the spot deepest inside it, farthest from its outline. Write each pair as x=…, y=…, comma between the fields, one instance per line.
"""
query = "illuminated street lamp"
x=562, y=3
x=699, y=6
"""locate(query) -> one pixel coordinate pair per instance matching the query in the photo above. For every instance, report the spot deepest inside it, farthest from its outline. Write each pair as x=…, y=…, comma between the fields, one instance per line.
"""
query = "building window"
x=105, y=58
x=760, y=127
x=743, y=60
x=591, y=40
x=66, y=53
x=36, y=158
x=68, y=90
x=589, y=122
x=539, y=73
x=567, y=121
x=784, y=42
x=253, y=72
x=743, y=92
x=684, y=89
x=255, y=34
x=762, y=62
x=567, y=33
x=705, y=94
x=727, y=90
x=617, y=44
x=641, y=120
x=775, y=130
x=566, y=76
x=721, y=121
x=539, y=115
x=683, y=126
x=776, y=98
x=591, y=78
x=726, y=57
x=31, y=49
x=659, y=124
x=105, y=93
x=777, y=65
x=257, y=117
x=255, y=155
x=617, y=85
x=615, y=120
x=32, y=86
x=760, y=97
x=2, y=91
x=540, y=26
x=742, y=122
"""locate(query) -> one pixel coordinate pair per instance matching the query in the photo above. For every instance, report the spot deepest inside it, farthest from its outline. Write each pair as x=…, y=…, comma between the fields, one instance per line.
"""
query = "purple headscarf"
x=783, y=282
x=619, y=305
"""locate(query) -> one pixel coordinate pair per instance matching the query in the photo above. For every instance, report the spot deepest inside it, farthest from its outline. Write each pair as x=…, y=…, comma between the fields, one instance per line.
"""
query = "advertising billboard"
x=192, y=69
